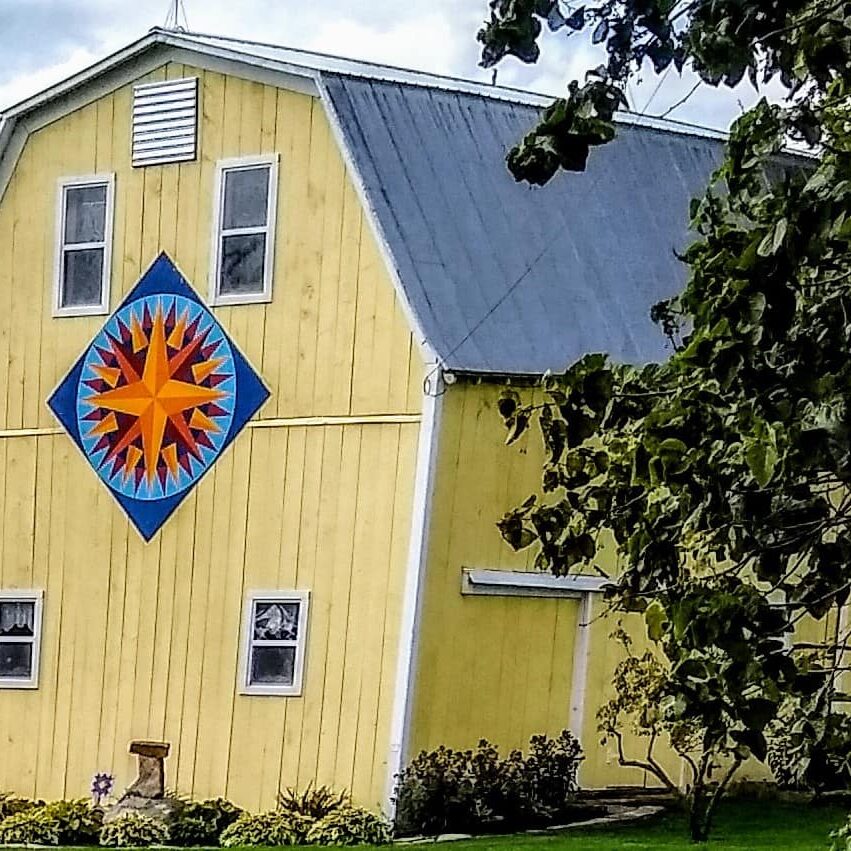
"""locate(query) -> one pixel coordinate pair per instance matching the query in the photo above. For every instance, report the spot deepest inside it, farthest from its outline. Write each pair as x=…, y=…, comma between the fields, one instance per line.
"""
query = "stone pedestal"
x=147, y=793
x=151, y=780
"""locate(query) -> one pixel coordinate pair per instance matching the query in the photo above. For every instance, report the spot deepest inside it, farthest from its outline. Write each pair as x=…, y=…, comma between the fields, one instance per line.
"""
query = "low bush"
x=201, y=823
x=349, y=825
x=314, y=802
x=448, y=791
x=842, y=837
x=30, y=827
x=79, y=822
x=273, y=829
x=133, y=830
x=57, y=823
x=11, y=805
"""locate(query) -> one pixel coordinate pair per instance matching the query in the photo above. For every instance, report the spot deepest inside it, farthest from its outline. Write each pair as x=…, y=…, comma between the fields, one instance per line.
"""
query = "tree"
x=723, y=473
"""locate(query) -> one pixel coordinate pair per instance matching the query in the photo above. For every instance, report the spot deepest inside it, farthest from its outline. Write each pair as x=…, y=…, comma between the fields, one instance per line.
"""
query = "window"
x=243, y=252
x=20, y=638
x=274, y=642
x=83, y=257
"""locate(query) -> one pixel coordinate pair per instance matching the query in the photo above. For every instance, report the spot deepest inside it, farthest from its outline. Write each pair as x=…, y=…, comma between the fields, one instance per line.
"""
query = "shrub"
x=133, y=830
x=315, y=802
x=30, y=827
x=267, y=829
x=79, y=822
x=11, y=805
x=447, y=791
x=57, y=823
x=842, y=837
x=436, y=793
x=551, y=769
x=202, y=822
x=349, y=826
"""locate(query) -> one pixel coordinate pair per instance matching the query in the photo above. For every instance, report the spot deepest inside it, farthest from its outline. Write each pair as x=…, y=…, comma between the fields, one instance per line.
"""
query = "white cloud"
x=424, y=44
x=23, y=86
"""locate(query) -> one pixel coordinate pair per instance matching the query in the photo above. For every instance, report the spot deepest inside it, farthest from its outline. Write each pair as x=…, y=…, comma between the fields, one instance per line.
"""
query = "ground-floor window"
x=274, y=638
x=20, y=638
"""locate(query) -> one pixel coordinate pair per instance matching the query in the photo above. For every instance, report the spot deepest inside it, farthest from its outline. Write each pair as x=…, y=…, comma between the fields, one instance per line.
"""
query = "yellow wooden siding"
x=493, y=667
x=142, y=641
x=500, y=667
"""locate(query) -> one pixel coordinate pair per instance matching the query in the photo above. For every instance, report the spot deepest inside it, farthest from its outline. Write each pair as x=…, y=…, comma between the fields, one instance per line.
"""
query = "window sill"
x=72, y=312
x=236, y=301
x=270, y=691
x=10, y=684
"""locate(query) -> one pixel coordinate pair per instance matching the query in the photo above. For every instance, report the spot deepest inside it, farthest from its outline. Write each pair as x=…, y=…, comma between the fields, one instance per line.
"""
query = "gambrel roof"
x=496, y=277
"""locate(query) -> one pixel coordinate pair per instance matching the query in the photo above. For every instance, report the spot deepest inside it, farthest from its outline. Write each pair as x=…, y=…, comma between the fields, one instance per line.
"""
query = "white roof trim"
x=82, y=77
x=426, y=350
x=515, y=583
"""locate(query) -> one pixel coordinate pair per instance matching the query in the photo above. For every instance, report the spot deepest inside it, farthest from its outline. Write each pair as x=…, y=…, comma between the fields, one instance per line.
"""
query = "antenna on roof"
x=176, y=10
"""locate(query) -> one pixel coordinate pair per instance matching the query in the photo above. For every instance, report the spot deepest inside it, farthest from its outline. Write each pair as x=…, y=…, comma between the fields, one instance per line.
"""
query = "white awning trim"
x=515, y=583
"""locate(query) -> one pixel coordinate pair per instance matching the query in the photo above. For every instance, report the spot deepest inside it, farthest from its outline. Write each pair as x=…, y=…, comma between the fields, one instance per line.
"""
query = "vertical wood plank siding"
x=500, y=667
x=507, y=674
x=143, y=641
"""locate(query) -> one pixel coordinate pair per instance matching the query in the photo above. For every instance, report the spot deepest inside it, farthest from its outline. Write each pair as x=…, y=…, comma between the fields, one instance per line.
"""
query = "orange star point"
x=156, y=399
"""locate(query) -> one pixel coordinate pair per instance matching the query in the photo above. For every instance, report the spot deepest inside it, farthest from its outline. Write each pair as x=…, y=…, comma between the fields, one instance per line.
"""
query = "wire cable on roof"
x=657, y=89
x=427, y=381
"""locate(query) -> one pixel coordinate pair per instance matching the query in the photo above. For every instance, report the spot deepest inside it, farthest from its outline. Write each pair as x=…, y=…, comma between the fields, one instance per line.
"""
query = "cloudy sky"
x=43, y=41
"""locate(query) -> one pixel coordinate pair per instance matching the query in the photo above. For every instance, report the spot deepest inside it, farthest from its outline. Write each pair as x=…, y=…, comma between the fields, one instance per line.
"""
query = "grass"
x=740, y=826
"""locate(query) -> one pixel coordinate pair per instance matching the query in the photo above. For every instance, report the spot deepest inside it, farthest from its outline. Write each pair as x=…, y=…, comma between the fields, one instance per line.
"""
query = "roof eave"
x=82, y=77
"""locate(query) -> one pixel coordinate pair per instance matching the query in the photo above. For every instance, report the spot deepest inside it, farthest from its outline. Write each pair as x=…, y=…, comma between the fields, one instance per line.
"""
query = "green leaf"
x=773, y=239
x=762, y=458
x=656, y=619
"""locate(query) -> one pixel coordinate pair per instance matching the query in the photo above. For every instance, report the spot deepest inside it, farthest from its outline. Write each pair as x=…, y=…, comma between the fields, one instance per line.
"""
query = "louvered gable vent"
x=165, y=122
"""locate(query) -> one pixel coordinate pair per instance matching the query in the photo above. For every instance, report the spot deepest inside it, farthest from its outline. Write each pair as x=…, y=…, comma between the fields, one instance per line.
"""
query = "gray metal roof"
x=504, y=278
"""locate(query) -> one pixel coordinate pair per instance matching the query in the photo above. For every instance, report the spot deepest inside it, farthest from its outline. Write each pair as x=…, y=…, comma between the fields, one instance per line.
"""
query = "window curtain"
x=16, y=618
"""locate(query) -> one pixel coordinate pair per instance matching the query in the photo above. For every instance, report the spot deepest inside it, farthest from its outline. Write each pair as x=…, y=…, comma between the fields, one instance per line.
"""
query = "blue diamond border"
x=161, y=278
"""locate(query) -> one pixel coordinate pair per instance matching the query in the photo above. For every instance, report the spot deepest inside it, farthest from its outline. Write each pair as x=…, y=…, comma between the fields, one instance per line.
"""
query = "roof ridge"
x=413, y=77
x=327, y=63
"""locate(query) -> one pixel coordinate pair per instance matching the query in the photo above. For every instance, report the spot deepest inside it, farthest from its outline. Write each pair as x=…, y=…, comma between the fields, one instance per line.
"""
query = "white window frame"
x=248, y=643
x=36, y=597
x=271, y=161
x=102, y=307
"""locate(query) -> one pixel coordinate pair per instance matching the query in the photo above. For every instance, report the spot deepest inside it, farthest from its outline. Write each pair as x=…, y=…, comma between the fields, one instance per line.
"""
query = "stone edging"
x=618, y=816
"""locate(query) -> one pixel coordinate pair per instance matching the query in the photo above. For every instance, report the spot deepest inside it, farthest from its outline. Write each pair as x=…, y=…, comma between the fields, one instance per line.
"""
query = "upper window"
x=274, y=643
x=246, y=200
x=20, y=638
x=83, y=256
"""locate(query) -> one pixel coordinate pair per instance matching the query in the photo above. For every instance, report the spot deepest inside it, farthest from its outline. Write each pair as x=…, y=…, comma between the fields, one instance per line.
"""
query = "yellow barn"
x=256, y=308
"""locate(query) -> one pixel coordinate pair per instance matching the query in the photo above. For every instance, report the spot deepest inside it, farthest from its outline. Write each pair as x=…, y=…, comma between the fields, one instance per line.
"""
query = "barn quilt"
x=157, y=397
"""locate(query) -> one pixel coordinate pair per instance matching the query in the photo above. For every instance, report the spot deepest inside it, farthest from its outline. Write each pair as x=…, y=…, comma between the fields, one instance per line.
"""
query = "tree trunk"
x=700, y=814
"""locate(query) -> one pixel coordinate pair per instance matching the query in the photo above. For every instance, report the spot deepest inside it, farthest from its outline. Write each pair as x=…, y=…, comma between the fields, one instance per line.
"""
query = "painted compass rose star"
x=157, y=397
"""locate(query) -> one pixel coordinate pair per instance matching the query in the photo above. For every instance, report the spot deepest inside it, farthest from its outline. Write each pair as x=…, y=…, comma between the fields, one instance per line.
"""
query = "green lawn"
x=740, y=826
